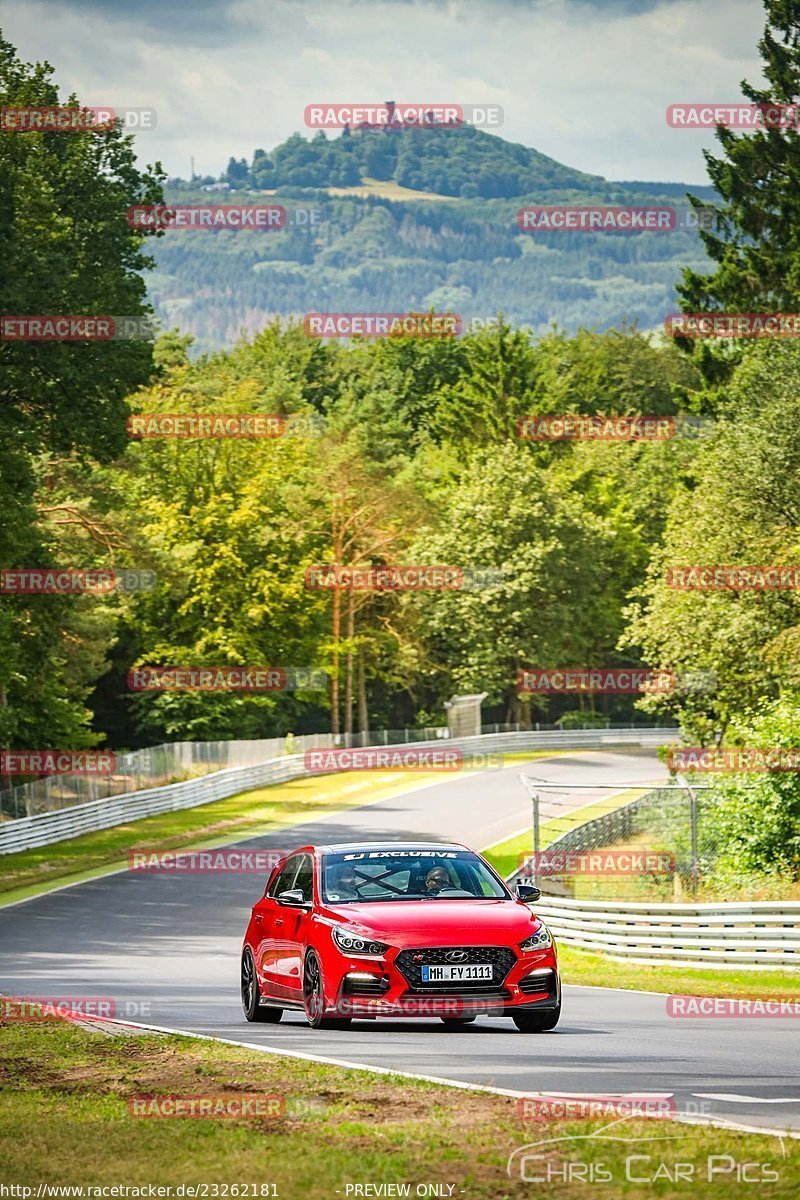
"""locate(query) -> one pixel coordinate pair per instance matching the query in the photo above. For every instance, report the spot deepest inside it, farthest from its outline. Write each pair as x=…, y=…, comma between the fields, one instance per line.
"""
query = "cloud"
x=587, y=83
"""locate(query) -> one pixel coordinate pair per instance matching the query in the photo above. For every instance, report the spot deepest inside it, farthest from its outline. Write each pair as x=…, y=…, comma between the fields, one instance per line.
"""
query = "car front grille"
x=410, y=963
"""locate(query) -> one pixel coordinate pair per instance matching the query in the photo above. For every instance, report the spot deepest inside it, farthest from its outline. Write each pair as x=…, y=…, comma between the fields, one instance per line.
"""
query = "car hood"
x=439, y=922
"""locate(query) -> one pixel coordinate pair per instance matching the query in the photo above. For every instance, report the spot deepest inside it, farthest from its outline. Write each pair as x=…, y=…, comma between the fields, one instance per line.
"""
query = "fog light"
x=362, y=983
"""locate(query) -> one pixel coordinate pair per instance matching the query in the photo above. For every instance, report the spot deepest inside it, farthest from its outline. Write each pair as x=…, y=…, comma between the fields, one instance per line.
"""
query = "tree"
x=739, y=505
x=756, y=245
x=750, y=823
x=65, y=249
x=262, y=171
x=237, y=172
x=365, y=503
x=503, y=513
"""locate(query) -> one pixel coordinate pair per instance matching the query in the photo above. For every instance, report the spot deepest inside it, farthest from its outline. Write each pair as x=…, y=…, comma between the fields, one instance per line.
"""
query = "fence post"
x=693, y=821
x=535, y=798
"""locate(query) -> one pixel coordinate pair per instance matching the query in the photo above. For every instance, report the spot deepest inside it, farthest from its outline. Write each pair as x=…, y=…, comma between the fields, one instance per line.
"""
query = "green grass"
x=581, y=966
x=65, y=1120
x=388, y=189
x=245, y=815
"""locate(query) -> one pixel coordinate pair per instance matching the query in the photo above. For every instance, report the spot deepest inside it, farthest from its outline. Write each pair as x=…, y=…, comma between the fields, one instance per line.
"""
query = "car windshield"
x=408, y=874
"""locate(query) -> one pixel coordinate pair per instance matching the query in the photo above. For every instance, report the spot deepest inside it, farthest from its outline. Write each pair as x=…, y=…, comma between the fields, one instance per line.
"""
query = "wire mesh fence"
x=173, y=762
x=661, y=844
x=154, y=766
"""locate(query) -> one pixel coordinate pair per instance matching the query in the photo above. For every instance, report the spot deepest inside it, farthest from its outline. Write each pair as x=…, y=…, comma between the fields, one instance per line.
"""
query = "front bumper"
x=387, y=987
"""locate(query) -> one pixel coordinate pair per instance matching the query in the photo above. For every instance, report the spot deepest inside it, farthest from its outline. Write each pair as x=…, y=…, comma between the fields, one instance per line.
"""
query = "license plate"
x=452, y=974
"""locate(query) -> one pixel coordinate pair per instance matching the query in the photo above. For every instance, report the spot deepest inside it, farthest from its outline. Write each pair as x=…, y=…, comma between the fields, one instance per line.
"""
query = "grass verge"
x=246, y=815
x=580, y=966
x=65, y=1120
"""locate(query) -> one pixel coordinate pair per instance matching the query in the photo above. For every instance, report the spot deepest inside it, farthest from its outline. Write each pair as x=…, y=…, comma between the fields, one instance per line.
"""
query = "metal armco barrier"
x=730, y=934
x=23, y=833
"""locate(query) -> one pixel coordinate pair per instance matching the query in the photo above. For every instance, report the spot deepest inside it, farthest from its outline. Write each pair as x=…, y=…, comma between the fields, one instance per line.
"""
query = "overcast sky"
x=586, y=83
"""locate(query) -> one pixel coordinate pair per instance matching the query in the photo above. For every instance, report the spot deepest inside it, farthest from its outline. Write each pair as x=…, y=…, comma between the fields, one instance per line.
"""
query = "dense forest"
x=348, y=250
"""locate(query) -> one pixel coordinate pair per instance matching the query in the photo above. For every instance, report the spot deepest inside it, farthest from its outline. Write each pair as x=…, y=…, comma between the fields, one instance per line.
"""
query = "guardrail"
x=723, y=934
x=42, y=829
x=718, y=933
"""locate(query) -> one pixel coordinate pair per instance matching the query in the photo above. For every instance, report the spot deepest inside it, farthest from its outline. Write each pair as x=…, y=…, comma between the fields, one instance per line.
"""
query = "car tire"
x=314, y=997
x=254, y=1010
x=456, y=1022
x=536, y=1022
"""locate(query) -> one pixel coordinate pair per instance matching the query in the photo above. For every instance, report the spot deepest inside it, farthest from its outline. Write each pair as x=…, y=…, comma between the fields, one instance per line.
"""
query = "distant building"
x=464, y=714
x=397, y=121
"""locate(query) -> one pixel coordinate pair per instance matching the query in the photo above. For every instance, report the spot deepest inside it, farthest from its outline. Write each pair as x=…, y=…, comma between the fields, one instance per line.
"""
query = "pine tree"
x=756, y=243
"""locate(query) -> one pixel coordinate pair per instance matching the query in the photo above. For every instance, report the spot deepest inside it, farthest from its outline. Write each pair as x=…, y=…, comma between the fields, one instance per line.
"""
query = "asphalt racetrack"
x=166, y=947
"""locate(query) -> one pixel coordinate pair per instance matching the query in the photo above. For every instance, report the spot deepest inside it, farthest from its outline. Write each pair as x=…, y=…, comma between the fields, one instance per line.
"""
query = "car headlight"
x=351, y=943
x=537, y=941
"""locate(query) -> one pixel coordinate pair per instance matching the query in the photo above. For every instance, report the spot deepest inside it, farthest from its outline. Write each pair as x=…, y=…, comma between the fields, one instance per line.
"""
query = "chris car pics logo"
x=647, y=1158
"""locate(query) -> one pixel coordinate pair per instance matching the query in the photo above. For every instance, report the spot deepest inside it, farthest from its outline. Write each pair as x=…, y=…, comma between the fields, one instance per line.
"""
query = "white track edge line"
x=462, y=1085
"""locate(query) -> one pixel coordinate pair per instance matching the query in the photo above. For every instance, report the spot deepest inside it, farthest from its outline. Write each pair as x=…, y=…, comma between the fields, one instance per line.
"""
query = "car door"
x=269, y=918
x=296, y=929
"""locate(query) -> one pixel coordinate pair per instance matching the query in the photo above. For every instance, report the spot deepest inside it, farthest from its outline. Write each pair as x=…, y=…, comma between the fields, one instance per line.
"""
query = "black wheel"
x=251, y=995
x=314, y=998
x=456, y=1022
x=537, y=1022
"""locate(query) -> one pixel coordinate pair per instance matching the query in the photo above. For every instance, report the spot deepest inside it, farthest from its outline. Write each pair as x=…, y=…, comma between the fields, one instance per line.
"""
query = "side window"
x=303, y=880
x=284, y=878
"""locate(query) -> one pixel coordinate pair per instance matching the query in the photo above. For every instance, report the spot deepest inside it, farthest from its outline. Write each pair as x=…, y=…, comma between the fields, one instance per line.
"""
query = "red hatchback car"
x=383, y=930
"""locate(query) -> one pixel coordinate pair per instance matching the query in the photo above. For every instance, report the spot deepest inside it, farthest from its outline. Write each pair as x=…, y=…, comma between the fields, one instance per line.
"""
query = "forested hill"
x=415, y=219
x=460, y=161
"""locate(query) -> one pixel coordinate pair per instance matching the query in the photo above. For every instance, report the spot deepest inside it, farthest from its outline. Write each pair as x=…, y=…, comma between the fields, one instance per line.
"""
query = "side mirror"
x=293, y=899
x=527, y=893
